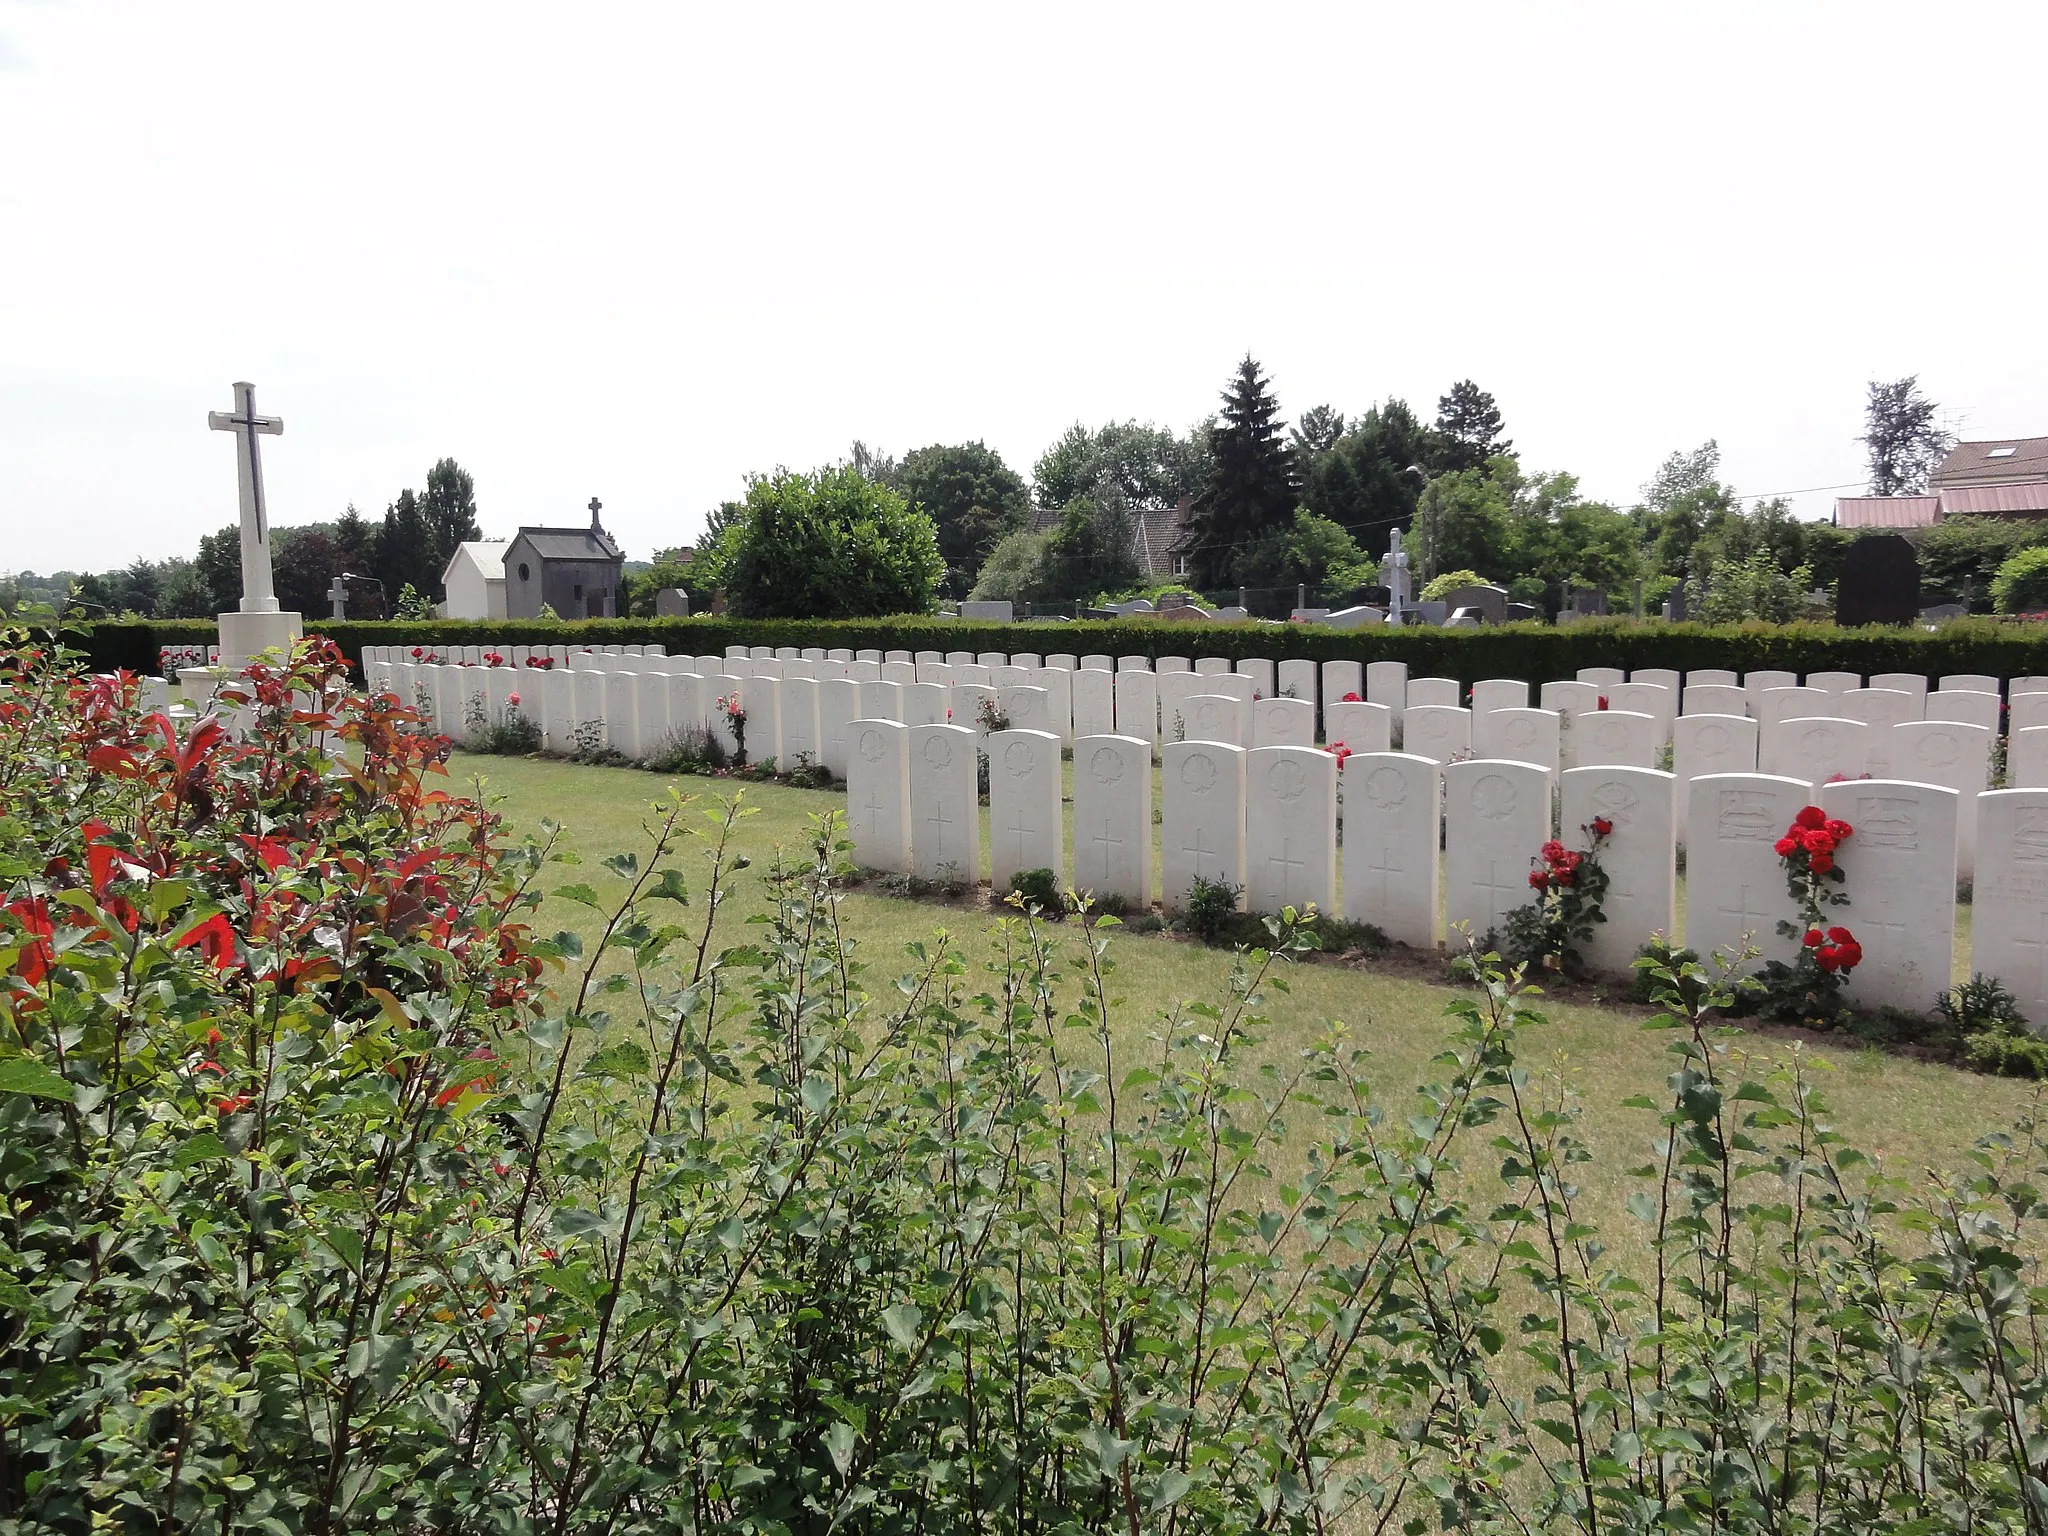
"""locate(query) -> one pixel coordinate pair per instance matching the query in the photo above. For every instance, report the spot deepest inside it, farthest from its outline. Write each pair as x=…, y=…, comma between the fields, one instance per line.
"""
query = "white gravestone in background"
x=926, y=703
x=1901, y=863
x=1057, y=661
x=1712, y=677
x=1026, y=708
x=1491, y=693
x=1776, y=704
x=1210, y=666
x=557, y=711
x=1213, y=717
x=1260, y=671
x=904, y=672
x=1906, y=682
x=1360, y=726
x=838, y=707
x=1436, y=731
x=2026, y=763
x=1663, y=677
x=800, y=740
x=1113, y=817
x=1283, y=722
x=878, y=794
x=651, y=713
x=1656, y=700
x=1714, y=699
x=1953, y=755
x=1569, y=698
x=967, y=701
x=2024, y=711
x=1059, y=701
x=945, y=804
x=1968, y=682
x=1390, y=844
x=1815, y=750
x=1735, y=893
x=1835, y=682
x=1434, y=692
x=1601, y=677
x=687, y=693
x=1386, y=682
x=1173, y=664
x=1290, y=836
x=1640, y=856
x=1096, y=661
x=2009, y=922
x=1966, y=706
x=1878, y=708
x=1201, y=816
x=1009, y=677
x=1134, y=663
x=1340, y=678
x=1296, y=679
x=880, y=700
x=590, y=703
x=859, y=671
x=1522, y=735
x=500, y=683
x=1496, y=818
x=761, y=697
x=1094, y=703
x=1703, y=744
x=1137, y=706
x=1613, y=738
x=1024, y=829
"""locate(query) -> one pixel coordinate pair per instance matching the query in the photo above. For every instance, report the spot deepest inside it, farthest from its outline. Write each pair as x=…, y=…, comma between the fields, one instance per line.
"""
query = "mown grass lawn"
x=1915, y=1114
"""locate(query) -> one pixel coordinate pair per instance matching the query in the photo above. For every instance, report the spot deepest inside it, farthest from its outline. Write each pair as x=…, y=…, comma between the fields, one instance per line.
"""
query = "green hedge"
x=1536, y=652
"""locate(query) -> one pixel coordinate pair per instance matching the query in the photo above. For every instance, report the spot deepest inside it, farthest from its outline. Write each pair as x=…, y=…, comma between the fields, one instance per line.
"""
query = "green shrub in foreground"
x=322, y=1218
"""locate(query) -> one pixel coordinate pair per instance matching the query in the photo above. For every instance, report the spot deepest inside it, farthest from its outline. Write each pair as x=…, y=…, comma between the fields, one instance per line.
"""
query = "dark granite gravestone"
x=671, y=603
x=1880, y=582
x=1489, y=603
x=1586, y=602
x=1521, y=612
x=1941, y=611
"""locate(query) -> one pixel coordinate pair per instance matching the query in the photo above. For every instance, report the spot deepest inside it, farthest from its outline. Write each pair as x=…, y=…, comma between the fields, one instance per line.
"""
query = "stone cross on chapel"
x=1394, y=577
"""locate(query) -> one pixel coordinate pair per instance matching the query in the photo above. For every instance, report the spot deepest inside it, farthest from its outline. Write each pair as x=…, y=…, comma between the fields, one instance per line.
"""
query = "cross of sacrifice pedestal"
x=257, y=594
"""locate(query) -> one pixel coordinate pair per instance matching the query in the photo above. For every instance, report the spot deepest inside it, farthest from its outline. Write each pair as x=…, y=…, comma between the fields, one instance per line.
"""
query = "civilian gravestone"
x=1113, y=817
x=1023, y=805
x=1879, y=582
x=1290, y=827
x=1390, y=844
x=1490, y=603
x=1201, y=816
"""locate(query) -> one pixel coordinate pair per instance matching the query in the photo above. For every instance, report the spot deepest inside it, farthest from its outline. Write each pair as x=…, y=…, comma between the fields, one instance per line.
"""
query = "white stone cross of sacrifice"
x=257, y=594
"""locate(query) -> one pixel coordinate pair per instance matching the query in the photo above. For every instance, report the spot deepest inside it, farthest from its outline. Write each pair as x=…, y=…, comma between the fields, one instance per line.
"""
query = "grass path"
x=1915, y=1114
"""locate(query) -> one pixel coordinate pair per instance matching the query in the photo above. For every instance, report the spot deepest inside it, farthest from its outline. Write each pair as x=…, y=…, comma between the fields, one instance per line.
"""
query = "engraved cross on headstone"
x=1384, y=865
x=1102, y=842
x=1763, y=924
x=1288, y=867
x=257, y=594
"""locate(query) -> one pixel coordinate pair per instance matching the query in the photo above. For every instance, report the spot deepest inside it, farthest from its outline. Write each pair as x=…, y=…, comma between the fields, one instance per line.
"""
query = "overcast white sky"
x=638, y=250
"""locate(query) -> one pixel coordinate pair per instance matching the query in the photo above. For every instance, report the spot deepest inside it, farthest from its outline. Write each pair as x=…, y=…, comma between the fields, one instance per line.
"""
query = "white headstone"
x=1520, y=735
x=926, y=703
x=1715, y=699
x=1434, y=692
x=1657, y=700
x=1713, y=677
x=1062, y=660
x=1639, y=857
x=1757, y=684
x=1570, y=697
x=1134, y=663
x=1360, y=726
x=1735, y=893
x=2026, y=765
x=651, y=722
x=1215, y=717
x=1914, y=683
x=878, y=794
x=1290, y=827
x=1704, y=744
x=1024, y=829
x=801, y=742
x=1968, y=682
x=1390, y=844
x=1209, y=666
x=1438, y=732
x=993, y=659
x=1901, y=864
x=1601, y=677
x=1816, y=750
x=591, y=698
x=1834, y=682
x=2024, y=711
x=1059, y=700
x=1662, y=677
x=1344, y=677
x=1614, y=738
x=880, y=700
x=762, y=699
x=1113, y=817
x=1201, y=816
x=1776, y=704
x=1496, y=818
x=1491, y=693
x=838, y=707
x=1026, y=709
x=1094, y=703
x=1260, y=671
x=1137, y=706
x=1968, y=706
x=2018, y=685
x=2009, y=917
x=557, y=709
x=904, y=672
x=945, y=804
x=861, y=670
x=1953, y=755
x=1296, y=679
x=1386, y=682
x=1283, y=722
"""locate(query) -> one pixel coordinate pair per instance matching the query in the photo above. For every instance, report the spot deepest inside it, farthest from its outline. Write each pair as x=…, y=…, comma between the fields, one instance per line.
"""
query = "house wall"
x=469, y=594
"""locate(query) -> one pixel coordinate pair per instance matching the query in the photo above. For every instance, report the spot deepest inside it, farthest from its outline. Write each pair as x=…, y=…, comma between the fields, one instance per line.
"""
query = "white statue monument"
x=257, y=626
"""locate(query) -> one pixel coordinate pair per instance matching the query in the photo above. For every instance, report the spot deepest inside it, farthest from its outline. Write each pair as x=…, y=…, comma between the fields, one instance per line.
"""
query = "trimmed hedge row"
x=1536, y=652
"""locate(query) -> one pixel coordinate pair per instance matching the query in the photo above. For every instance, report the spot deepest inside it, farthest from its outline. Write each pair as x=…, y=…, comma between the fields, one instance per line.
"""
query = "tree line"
x=1245, y=500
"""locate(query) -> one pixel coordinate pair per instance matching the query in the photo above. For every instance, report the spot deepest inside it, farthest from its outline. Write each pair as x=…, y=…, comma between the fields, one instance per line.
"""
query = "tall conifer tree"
x=1250, y=490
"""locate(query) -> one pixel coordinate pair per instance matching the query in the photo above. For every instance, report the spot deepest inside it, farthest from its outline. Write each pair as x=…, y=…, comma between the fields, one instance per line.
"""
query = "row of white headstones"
x=1263, y=815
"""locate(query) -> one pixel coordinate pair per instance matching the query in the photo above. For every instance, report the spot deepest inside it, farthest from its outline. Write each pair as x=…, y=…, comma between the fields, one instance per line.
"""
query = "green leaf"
x=902, y=1321
x=839, y=1444
x=626, y=1058
x=202, y=1148
x=582, y=893
x=670, y=886
x=1171, y=1488
x=24, y=1074
x=817, y=1093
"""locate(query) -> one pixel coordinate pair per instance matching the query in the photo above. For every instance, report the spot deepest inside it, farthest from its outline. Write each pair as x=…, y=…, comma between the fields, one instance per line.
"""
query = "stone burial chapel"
x=575, y=571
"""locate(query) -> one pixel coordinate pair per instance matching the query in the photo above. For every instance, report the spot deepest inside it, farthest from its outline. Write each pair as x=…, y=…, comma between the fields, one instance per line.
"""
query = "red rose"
x=1811, y=817
x=1851, y=955
x=1553, y=850
x=1839, y=830
x=1817, y=842
x=1538, y=879
x=1829, y=959
x=1841, y=936
x=1603, y=701
x=1602, y=826
x=1786, y=846
x=1351, y=698
x=1813, y=938
x=1566, y=876
x=1820, y=863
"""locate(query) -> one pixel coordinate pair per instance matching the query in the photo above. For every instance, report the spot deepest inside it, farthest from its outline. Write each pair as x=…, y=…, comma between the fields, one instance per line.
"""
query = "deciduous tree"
x=973, y=498
x=832, y=545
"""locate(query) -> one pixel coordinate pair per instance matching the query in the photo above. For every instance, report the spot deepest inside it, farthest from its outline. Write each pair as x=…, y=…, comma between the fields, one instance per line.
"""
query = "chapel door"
x=593, y=598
